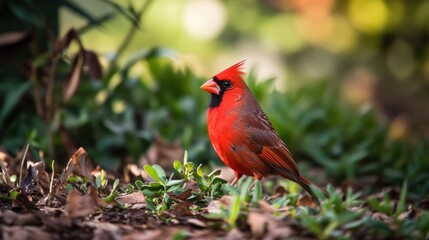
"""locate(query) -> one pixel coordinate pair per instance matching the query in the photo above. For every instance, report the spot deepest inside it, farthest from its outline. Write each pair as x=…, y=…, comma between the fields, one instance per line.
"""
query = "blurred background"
x=345, y=83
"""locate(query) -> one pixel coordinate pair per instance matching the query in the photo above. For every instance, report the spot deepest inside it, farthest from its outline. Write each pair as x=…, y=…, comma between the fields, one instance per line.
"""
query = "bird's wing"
x=265, y=142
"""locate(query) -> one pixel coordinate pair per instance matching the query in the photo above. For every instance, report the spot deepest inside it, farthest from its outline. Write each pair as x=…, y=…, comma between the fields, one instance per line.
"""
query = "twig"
x=22, y=162
x=6, y=176
x=49, y=104
x=52, y=177
x=130, y=34
x=37, y=95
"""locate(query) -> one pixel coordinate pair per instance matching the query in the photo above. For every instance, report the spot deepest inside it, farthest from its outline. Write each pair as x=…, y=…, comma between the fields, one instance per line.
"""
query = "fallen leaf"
x=27, y=185
x=184, y=196
x=215, y=206
x=226, y=173
x=9, y=217
x=25, y=232
x=284, y=232
x=4, y=160
x=181, y=210
x=306, y=201
x=131, y=171
x=41, y=176
x=265, y=225
x=266, y=207
x=258, y=223
x=23, y=202
x=235, y=234
x=197, y=222
x=162, y=153
x=133, y=198
x=79, y=205
x=78, y=165
x=160, y=233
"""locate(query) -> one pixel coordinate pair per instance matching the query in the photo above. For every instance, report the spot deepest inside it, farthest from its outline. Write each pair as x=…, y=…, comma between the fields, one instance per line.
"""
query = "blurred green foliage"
x=146, y=93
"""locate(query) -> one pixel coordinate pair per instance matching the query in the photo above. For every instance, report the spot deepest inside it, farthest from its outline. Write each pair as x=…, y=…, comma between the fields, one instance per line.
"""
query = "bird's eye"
x=227, y=84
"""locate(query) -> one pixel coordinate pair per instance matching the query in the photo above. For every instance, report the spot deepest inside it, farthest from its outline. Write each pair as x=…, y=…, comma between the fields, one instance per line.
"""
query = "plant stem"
x=22, y=162
x=128, y=37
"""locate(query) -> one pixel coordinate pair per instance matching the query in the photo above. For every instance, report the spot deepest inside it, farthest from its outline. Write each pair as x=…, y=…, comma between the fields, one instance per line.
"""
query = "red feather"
x=242, y=135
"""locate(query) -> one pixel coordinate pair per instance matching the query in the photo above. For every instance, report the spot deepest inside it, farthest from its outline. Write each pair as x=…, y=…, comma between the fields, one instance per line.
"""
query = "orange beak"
x=211, y=87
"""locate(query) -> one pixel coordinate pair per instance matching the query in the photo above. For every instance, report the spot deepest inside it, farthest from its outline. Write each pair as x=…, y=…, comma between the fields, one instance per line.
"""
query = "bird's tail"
x=306, y=184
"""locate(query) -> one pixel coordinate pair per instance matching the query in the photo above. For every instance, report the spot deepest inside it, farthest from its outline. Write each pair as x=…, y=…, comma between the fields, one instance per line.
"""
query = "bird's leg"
x=237, y=177
x=254, y=181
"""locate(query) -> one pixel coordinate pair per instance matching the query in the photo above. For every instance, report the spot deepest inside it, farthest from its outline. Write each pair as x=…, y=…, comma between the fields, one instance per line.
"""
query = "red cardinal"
x=242, y=135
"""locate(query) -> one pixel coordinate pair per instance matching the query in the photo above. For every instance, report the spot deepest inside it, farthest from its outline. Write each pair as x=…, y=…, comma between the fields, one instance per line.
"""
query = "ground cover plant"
x=114, y=146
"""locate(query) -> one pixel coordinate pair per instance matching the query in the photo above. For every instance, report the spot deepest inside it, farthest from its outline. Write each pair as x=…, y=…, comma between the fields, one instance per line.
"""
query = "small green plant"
x=80, y=183
x=241, y=198
x=159, y=192
x=113, y=193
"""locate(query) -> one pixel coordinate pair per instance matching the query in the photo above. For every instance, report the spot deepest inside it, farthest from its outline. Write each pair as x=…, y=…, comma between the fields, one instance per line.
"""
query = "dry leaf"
x=79, y=205
x=181, y=210
x=235, y=234
x=215, y=206
x=78, y=165
x=284, y=232
x=263, y=224
x=72, y=80
x=160, y=233
x=132, y=198
x=306, y=201
x=4, y=160
x=23, y=202
x=94, y=67
x=162, y=153
x=197, y=222
x=258, y=223
x=65, y=41
x=226, y=173
x=10, y=38
x=40, y=176
x=25, y=232
x=184, y=196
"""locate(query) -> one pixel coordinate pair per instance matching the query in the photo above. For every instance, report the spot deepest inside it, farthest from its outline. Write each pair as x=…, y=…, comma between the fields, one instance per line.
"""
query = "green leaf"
x=115, y=184
x=11, y=99
x=25, y=14
x=150, y=205
x=200, y=171
x=234, y=211
x=181, y=235
x=98, y=181
x=109, y=198
x=79, y=11
x=257, y=192
x=178, y=166
x=139, y=184
x=185, y=158
x=160, y=172
x=152, y=173
x=310, y=223
x=402, y=199
x=377, y=225
x=174, y=182
x=233, y=190
x=149, y=192
x=13, y=194
x=214, y=173
x=167, y=199
x=423, y=223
